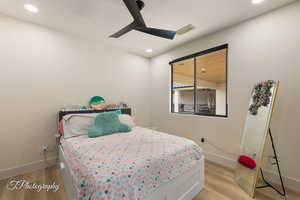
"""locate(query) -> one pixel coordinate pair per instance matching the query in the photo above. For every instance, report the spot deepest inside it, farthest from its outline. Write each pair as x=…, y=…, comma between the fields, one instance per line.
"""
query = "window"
x=199, y=83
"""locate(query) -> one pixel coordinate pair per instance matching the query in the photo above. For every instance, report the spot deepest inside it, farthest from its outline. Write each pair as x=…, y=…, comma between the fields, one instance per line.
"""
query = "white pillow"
x=78, y=124
x=127, y=119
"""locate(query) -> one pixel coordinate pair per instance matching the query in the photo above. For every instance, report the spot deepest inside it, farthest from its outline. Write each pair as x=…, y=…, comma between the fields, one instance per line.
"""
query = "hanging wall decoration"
x=261, y=96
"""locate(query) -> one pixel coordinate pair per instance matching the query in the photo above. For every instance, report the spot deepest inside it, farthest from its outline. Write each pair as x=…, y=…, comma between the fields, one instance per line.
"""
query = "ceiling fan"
x=135, y=7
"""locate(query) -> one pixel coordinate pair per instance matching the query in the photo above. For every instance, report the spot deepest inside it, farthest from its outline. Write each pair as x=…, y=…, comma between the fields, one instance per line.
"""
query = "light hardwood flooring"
x=219, y=185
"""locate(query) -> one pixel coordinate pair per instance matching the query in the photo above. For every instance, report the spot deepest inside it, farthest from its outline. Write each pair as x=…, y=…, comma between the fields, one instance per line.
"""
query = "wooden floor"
x=219, y=185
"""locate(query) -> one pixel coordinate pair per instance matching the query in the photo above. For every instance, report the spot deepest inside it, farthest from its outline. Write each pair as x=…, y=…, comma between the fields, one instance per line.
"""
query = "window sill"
x=199, y=114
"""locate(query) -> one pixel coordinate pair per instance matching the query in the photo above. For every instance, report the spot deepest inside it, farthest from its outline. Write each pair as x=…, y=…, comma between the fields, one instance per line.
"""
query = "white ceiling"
x=97, y=19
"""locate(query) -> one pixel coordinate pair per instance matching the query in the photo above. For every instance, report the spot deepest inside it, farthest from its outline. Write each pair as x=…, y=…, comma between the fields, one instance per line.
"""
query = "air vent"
x=185, y=29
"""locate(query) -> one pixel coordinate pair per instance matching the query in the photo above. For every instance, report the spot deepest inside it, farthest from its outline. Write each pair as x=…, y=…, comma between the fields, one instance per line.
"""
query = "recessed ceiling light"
x=31, y=8
x=257, y=1
x=149, y=50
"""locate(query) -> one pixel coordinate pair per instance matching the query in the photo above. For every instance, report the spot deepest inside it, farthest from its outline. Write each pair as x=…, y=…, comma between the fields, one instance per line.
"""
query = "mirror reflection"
x=183, y=86
x=211, y=83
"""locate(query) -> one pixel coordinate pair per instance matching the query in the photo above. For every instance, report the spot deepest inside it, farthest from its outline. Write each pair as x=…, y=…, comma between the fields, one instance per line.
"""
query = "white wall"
x=267, y=47
x=42, y=71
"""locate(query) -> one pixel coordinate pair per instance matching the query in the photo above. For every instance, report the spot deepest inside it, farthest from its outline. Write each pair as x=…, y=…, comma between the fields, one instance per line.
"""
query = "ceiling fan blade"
x=157, y=32
x=124, y=30
x=135, y=12
x=135, y=7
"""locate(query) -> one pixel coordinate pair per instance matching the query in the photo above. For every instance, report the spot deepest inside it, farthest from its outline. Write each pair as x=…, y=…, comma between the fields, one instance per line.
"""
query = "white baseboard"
x=290, y=183
x=221, y=160
x=27, y=168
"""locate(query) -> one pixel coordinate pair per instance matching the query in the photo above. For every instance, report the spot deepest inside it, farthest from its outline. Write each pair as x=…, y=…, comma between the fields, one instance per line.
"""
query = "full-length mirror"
x=199, y=83
x=255, y=134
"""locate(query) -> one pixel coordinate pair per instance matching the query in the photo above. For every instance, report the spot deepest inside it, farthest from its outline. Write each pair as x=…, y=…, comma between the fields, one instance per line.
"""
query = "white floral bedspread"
x=127, y=165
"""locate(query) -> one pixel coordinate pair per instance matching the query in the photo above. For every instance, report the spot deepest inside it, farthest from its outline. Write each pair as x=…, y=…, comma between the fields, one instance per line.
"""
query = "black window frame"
x=194, y=56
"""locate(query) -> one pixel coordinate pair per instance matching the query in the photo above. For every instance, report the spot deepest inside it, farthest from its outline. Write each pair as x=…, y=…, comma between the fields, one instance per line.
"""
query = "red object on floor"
x=247, y=162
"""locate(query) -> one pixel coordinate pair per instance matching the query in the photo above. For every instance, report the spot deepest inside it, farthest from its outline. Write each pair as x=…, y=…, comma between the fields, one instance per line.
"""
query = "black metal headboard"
x=61, y=114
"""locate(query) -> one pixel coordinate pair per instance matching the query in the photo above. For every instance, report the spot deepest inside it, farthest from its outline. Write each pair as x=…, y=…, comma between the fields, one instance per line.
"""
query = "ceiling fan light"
x=257, y=1
x=31, y=8
x=149, y=50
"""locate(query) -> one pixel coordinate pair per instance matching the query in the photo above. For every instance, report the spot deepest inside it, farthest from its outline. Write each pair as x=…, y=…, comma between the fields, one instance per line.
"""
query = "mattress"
x=128, y=165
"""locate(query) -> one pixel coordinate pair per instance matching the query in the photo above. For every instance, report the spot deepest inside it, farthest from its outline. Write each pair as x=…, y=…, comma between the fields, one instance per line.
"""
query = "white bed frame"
x=184, y=187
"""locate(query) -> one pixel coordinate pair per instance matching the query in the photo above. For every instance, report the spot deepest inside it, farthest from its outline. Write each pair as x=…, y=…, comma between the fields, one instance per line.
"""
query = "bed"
x=139, y=165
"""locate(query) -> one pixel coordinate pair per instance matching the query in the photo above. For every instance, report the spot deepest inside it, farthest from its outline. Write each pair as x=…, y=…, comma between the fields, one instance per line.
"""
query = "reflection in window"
x=199, y=83
x=183, y=86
